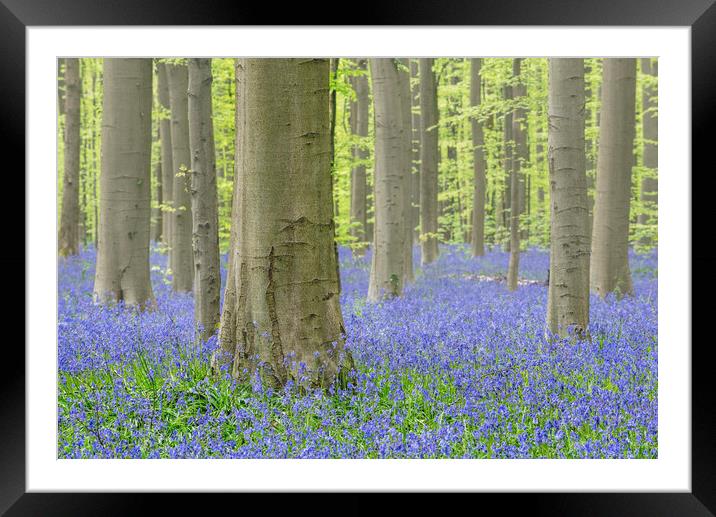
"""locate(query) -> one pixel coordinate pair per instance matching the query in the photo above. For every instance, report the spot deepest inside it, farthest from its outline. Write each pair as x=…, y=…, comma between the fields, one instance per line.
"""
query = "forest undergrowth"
x=457, y=367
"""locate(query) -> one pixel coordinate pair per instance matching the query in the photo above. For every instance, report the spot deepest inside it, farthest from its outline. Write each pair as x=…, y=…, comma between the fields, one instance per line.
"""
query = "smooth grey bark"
x=568, y=293
x=610, y=235
x=508, y=163
x=61, y=85
x=157, y=215
x=182, y=261
x=165, y=138
x=519, y=134
x=122, y=272
x=479, y=165
x=387, y=273
x=406, y=165
x=650, y=129
x=429, y=154
x=204, y=198
x=282, y=313
x=68, y=240
x=359, y=113
x=415, y=124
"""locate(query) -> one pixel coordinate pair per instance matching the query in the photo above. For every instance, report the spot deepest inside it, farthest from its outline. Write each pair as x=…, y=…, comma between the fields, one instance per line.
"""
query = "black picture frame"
x=700, y=15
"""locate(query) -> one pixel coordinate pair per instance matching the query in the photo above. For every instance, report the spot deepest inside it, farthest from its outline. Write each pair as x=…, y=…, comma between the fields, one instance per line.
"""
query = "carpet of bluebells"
x=458, y=367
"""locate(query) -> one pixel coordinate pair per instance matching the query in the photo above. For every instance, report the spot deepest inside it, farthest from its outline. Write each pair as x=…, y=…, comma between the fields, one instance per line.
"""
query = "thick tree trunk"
x=568, y=294
x=610, y=235
x=387, y=274
x=519, y=156
x=415, y=124
x=182, y=262
x=204, y=209
x=282, y=313
x=479, y=164
x=165, y=137
x=406, y=166
x=650, y=129
x=70, y=216
x=359, y=110
x=428, y=161
x=122, y=272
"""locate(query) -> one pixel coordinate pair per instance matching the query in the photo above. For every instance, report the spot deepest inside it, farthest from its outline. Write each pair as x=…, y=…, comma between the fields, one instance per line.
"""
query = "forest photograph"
x=357, y=257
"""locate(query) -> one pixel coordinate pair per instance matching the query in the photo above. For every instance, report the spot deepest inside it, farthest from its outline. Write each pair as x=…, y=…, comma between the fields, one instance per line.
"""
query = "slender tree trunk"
x=406, y=166
x=157, y=215
x=507, y=147
x=428, y=161
x=415, y=124
x=122, y=272
x=70, y=216
x=568, y=294
x=283, y=317
x=650, y=129
x=518, y=159
x=387, y=273
x=359, y=110
x=479, y=164
x=165, y=137
x=204, y=198
x=610, y=236
x=182, y=262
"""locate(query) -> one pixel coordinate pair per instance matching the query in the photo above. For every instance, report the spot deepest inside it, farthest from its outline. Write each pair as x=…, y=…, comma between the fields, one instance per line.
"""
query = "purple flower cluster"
x=457, y=367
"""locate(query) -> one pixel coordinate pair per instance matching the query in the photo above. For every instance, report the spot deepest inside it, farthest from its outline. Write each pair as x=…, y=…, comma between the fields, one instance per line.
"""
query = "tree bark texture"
x=165, y=138
x=282, y=314
x=204, y=198
x=406, y=165
x=650, y=133
x=519, y=133
x=122, y=272
x=429, y=154
x=610, y=235
x=479, y=164
x=387, y=274
x=182, y=261
x=70, y=215
x=508, y=161
x=415, y=124
x=568, y=293
x=359, y=113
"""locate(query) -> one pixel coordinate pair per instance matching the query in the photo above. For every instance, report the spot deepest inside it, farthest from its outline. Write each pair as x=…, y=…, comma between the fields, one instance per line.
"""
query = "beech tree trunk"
x=204, y=202
x=429, y=154
x=568, y=294
x=68, y=240
x=165, y=138
x=650, y=129
x=406, y=165
x=415, y=124
x=387, y=274
x=610, y=236
x=282, y=313
x=122, y=272
x=479, y=164
x=519, y=133
x=359, y=113
x=157, y=215
x=182, y=261
x=507, y=150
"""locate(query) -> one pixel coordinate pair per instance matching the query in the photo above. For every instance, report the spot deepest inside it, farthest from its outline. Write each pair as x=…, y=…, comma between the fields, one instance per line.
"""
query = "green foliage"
x=456, y=167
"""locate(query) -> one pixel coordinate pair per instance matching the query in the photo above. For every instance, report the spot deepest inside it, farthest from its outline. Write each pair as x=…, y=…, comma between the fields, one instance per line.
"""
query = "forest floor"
x=457, y=367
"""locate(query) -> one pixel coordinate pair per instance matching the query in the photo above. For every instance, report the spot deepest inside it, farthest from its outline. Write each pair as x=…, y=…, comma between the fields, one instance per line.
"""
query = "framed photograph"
x=411, y=254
